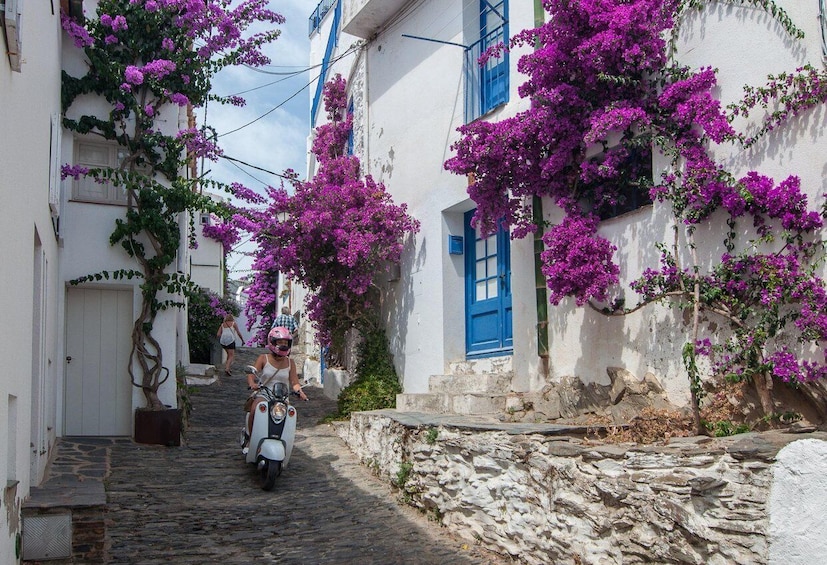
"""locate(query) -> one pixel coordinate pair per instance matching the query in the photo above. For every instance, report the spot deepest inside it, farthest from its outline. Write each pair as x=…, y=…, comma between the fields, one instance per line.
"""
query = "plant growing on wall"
x=604, y=91
x=148, y=60
x=333, y=234
x=205, y=312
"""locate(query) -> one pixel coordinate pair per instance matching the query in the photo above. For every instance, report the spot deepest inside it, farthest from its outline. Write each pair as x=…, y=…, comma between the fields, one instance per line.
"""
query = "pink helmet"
x=276, y=334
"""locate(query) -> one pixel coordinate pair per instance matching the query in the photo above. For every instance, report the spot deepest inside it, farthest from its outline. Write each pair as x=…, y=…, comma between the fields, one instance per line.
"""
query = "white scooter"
x=274, y=428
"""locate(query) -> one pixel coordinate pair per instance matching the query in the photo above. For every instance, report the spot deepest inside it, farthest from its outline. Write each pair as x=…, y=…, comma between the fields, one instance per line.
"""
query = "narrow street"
x=201, y=503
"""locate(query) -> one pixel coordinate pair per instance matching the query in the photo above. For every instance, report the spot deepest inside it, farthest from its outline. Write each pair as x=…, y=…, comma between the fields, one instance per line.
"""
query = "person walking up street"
x=286, y=320
x=227, y=332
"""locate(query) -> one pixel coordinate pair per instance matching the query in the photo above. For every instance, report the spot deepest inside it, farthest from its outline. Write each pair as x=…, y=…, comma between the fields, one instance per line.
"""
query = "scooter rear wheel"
x=269, y=472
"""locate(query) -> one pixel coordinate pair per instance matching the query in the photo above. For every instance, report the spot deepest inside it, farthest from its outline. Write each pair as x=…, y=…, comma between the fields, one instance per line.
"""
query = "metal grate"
x=47, y=537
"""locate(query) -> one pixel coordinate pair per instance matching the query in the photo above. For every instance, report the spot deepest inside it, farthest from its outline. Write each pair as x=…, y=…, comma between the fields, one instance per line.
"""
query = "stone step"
x=470, y=384
x=464, y=404
x=473, y=404
x=485, y=365
x=423, y=402
x=200, y=374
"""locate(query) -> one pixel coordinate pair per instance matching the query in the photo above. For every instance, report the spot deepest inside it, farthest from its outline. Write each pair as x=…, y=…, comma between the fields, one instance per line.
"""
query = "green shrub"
x=376, y=384
x=203, y=318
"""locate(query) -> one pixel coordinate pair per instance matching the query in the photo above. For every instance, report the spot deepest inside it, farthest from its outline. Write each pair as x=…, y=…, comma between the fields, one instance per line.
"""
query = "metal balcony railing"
x=318, y=15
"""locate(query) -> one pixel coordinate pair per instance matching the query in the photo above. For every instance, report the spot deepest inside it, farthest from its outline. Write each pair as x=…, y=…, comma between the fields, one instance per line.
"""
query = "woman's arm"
x=259, y=365
x=294, y=381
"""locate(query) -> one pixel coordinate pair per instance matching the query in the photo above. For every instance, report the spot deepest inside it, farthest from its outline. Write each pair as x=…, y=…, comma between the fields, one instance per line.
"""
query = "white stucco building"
x=29, y=254
x=464, y=307
x=66, y=347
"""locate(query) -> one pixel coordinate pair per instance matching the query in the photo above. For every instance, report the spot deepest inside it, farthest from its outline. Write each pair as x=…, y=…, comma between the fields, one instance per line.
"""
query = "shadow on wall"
x=398, y=298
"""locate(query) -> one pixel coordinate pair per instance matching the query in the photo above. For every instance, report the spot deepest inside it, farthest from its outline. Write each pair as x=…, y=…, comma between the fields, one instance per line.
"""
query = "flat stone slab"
x=67, y=492
x=478, y=423
x=200, y=374
x=199, y=380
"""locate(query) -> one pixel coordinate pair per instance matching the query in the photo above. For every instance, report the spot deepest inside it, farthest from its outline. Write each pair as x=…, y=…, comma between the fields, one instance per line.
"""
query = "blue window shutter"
x=494, y=75
x=332, y=40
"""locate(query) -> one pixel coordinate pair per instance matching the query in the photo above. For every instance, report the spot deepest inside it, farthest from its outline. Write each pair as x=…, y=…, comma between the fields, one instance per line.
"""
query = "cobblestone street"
x=201, y=503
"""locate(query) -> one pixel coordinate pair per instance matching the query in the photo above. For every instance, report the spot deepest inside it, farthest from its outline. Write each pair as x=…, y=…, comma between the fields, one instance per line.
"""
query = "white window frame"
x=54, y=165
x=12, y=11
x=87, y=189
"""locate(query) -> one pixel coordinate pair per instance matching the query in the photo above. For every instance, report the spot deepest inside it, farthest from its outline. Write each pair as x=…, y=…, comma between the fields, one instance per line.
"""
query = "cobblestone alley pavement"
x=201, y=503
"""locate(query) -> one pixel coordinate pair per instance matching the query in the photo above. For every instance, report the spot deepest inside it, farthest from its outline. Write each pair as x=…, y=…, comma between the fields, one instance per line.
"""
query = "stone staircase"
x=478, y=387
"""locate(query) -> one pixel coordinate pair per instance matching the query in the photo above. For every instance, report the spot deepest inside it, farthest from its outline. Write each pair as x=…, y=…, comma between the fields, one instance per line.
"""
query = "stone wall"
x=557, y=499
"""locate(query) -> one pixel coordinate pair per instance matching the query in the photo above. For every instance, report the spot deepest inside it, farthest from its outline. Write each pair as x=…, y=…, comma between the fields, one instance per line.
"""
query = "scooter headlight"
x=278, y=411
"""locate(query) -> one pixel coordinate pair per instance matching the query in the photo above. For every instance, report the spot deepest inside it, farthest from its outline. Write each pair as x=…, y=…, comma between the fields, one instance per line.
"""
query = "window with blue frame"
x=493, y=32
x=486, y=87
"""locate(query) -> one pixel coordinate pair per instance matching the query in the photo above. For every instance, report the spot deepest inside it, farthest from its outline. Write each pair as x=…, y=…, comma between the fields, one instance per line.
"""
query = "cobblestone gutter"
x=547, y=498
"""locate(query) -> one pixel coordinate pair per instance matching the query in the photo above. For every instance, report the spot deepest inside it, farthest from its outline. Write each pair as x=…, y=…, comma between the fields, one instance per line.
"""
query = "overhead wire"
x=344, y=54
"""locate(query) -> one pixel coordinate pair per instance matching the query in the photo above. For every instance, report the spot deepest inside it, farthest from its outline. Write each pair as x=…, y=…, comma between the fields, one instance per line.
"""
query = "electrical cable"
x=344, y=54
x=234, y=161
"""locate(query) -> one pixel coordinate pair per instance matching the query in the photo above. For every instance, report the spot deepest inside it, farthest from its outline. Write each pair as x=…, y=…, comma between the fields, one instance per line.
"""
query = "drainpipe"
x=541, y=294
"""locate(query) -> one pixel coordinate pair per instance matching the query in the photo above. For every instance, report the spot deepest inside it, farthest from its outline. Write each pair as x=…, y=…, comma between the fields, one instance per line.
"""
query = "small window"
x=97, y=155
x=54, y=165
x=205, y=219
x=494, y=31
x=73, y=9
x=487, y=87
x=635, y=184
x=350, y=133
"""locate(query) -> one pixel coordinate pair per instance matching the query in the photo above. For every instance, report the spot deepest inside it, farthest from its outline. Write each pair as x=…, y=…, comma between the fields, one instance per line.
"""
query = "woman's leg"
x=230, y=358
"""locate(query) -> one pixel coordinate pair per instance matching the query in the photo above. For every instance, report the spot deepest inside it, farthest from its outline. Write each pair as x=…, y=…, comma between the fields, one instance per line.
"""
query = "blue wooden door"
x=488, y=327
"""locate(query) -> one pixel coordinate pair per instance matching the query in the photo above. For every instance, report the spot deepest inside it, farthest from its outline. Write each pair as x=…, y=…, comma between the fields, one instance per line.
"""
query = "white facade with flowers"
x=412, y=81
x=61, y=339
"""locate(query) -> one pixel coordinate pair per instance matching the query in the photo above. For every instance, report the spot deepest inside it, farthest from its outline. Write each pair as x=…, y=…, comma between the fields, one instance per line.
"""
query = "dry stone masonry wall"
x=554, y=499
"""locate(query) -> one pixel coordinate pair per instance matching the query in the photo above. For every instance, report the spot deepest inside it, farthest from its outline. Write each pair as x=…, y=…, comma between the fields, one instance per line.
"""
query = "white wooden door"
x=98, y=337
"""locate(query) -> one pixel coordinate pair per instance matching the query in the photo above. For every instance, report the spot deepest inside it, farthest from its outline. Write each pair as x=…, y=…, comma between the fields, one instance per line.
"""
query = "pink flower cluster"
x=74, y=171
x=224, y=233
x=80, y=36
x=339, y=232
x=199, y=145
x=577, y=262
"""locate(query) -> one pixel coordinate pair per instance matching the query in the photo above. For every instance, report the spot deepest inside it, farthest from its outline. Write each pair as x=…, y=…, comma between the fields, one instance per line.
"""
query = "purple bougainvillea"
x=334, y=234
x=602, y=88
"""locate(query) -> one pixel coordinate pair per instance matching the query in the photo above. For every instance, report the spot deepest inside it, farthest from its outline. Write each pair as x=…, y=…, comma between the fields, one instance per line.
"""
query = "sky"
x=278, y=105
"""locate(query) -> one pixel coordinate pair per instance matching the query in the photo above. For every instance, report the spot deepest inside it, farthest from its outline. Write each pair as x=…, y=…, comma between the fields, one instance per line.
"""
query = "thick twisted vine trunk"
x=147, y=352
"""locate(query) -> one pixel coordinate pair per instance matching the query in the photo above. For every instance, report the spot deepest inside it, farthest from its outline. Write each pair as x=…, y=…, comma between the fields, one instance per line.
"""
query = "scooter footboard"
x=272, y=449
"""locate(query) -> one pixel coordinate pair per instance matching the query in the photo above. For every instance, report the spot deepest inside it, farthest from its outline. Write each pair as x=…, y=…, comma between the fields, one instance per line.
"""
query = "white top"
x=271, y=375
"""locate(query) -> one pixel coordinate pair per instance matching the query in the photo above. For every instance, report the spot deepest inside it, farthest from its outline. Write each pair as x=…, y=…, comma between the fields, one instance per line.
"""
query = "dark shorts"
x=231, y=346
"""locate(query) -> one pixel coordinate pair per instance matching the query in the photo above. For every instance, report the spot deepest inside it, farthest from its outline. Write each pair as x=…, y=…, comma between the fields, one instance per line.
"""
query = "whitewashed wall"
x=745, y=45
x=408, y=97
x=29, y=334
x=86, y=227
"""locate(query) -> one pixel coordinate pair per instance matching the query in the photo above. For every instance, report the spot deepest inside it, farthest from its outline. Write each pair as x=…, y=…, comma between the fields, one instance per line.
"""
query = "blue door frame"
x=488, y=327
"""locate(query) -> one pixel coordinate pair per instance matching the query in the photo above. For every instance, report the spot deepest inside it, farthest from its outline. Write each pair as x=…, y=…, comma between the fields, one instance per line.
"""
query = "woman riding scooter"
x=275, y=366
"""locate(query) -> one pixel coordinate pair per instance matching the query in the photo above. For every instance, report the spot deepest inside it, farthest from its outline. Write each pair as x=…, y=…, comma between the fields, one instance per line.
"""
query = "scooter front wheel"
x=269, y=472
